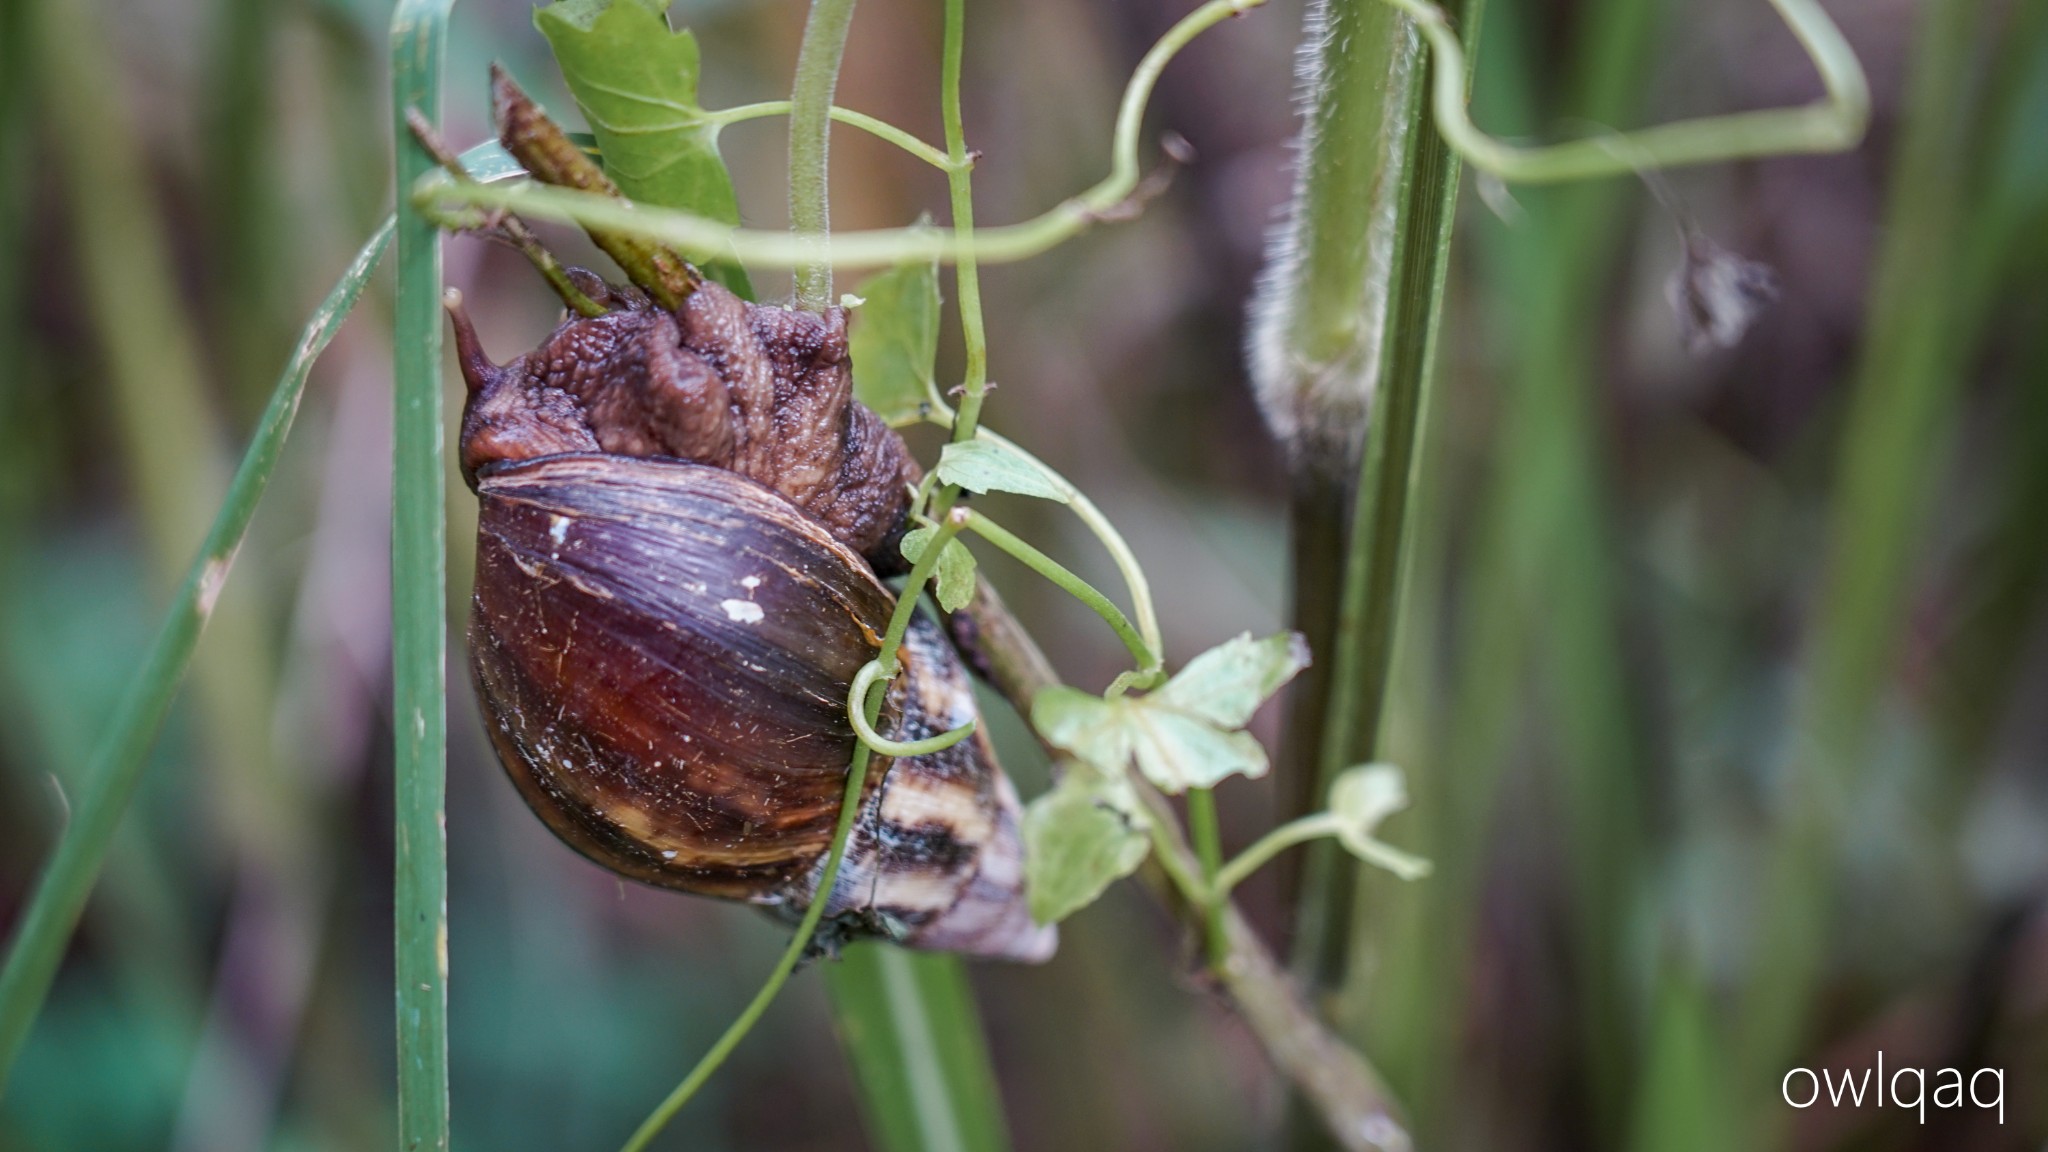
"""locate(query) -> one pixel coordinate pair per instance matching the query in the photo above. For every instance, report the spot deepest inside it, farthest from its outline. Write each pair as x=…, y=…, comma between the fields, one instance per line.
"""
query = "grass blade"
x=61, y=893
x=419, y=626
x=908, y=1024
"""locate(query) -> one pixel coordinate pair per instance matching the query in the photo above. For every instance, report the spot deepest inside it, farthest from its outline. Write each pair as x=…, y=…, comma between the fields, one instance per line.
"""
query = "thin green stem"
x=810, y=140
x=849, y=811
x=881, y=129
x=1835, y=124
x=61, y=893
x=1134, y=576
x=1073, y=585
x=869, y=249
x=419, y=604
x=1314, y=826
x=959, y=182
x=1208, y=840
x=1173, y=858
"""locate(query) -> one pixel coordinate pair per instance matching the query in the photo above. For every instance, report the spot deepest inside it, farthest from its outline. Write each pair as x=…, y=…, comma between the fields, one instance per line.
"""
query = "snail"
x=683, y=517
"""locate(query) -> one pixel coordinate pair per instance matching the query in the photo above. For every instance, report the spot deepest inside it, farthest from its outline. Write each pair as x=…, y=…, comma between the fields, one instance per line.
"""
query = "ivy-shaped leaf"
x=894, y=344
x=636, y=83
x=1186, y=734
x=992, y=466
x=953, y=582
x=1360, y=799
x=1079, y=838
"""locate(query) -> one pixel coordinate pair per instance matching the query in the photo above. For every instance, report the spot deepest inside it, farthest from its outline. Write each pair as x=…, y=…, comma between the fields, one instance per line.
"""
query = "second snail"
x=683, y=520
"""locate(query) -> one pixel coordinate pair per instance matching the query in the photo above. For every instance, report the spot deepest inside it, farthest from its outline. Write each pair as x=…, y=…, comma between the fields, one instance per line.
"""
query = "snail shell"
x=664, y=648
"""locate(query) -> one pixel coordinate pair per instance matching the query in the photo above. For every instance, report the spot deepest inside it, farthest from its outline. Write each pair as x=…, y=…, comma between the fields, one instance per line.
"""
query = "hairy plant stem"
x=810, y=140
x=1336, y=1081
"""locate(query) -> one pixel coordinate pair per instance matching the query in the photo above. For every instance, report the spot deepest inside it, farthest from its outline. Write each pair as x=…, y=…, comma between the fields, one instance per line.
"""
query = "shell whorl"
x=664, y=650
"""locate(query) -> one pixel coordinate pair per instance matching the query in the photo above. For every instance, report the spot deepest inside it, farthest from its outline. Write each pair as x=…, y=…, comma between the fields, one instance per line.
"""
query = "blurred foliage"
x=1643, y=583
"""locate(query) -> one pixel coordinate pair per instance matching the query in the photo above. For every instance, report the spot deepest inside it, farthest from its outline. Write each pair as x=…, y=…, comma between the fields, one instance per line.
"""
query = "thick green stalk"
x=810, y=137
x=1347, y=322
x=922, y=1064
x=60, y=894
x=419, y=627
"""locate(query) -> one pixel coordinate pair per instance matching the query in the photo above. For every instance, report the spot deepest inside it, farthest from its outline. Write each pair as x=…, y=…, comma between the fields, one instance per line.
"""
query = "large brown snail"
x=682, y=512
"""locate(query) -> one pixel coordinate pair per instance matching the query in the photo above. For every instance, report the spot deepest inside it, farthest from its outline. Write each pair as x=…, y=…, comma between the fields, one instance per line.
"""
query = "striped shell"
x=664, y=652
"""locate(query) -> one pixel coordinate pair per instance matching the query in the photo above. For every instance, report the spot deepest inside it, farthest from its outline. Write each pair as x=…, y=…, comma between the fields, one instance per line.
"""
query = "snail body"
x=681, y=517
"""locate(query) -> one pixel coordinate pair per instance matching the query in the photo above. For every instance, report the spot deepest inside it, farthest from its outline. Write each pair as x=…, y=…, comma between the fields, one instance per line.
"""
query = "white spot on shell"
x=668, y=854
x=742, y=611
x=558, y=529
x=750, y=582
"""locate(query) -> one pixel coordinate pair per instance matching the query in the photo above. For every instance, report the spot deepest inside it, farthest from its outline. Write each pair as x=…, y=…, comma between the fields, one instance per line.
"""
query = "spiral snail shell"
x=681, y=517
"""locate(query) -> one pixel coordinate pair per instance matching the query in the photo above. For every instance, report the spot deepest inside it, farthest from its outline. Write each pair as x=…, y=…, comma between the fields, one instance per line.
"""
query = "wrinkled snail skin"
x=664, y=648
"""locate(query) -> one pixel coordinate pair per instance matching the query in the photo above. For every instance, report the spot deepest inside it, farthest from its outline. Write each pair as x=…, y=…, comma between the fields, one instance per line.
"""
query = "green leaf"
x=1360, y=799
x=1177, y=752
x=1186, y=735
x=1226, y=684
x=953, y=583
x=1079, y=839
x=636, y=83
x=992, y=466
x=895, y=342
x=1088, y=726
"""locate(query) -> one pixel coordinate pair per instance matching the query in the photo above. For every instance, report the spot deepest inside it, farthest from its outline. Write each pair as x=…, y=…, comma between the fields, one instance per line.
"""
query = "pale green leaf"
x=991, y=466
x=894, y=344
x=1078, y=840
x=636, y=83
x=1360, y=799
x=1088, y=726
x=953, y=582
x=1177, y=752
x=1226, y=684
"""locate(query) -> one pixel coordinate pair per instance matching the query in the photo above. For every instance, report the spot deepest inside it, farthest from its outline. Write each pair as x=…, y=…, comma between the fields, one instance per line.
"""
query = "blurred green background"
x=1722, y=684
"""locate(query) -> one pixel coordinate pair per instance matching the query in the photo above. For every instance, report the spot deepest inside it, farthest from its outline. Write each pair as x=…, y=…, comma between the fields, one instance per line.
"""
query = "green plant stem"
x=1835, y=124
x=880, y=129
x=849, y=811
x=922, y=1063
x=1208, y=838
x=1272, y=844
x=419, y=626
x=60, y=895
x=1071, y=584
x=1371, y=582
x=959, y=183
x=810, y=139
x=868, y=249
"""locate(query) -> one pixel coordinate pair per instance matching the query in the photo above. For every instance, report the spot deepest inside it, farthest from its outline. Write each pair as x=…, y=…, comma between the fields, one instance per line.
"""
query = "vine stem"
x=873, y=126
x=879, y=247
x=1834, y=124
x=1067, y=581
x=959, y=185
x=849, y=811
x=1208, y=838
x=810, y=139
